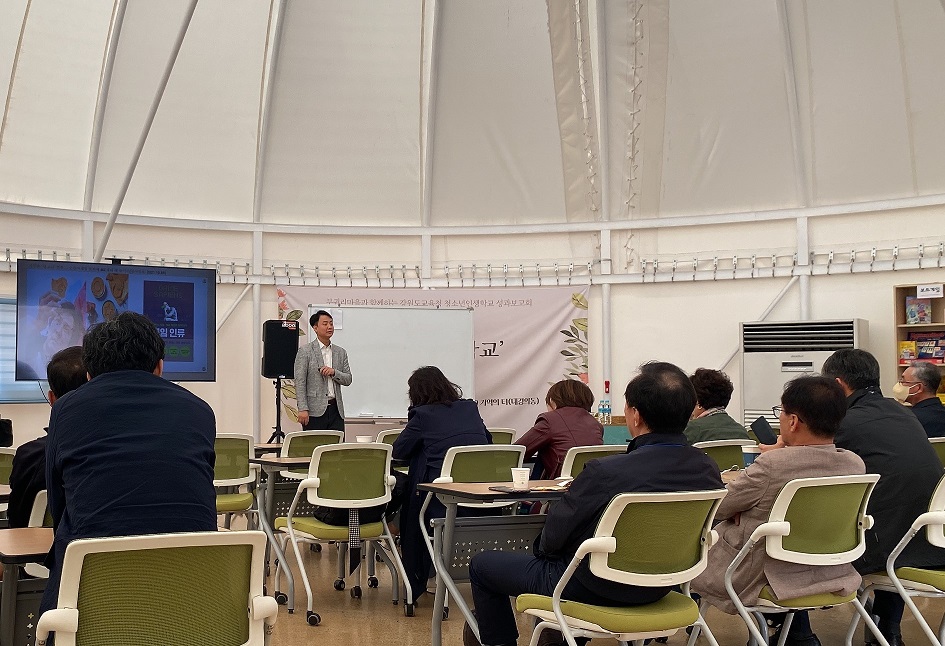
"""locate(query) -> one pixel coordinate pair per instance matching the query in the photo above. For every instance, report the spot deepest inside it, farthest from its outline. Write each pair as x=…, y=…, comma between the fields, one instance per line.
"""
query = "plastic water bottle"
x=600, y=411
x=607, y=417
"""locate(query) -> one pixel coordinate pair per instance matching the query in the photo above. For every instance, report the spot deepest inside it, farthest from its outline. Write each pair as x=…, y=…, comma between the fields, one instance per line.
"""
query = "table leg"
x=266, y=512
x=442, y=551
x=11, y=574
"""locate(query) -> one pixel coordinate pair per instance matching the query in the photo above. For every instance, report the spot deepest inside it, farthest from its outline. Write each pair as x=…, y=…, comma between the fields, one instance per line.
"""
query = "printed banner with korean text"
x=525, y=340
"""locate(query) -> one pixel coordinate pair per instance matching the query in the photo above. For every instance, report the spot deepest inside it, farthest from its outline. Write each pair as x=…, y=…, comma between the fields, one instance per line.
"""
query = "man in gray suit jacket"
x=321, y=369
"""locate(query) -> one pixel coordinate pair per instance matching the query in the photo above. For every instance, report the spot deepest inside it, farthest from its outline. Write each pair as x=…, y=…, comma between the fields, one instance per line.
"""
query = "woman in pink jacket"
x=567, y=423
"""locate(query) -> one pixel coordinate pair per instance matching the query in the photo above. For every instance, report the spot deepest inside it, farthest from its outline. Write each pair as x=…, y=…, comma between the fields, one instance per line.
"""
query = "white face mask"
x=901, y=392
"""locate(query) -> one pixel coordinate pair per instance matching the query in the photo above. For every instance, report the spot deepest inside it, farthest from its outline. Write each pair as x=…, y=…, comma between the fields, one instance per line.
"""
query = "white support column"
x=426, y=256
x=88, y=240
x=155, y=103
x=603, y=125
x=257, y=332
x=605, y=310
x=101, y=101
x=274, y=40
x=803, y=263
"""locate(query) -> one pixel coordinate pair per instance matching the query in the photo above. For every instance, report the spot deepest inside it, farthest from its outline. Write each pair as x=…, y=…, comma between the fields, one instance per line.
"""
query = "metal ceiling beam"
x=149, y=120
x=273, y=45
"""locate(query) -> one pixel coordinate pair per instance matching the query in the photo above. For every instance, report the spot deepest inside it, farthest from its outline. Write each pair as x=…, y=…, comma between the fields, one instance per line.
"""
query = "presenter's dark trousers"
x=330, y=420
x=496, y=576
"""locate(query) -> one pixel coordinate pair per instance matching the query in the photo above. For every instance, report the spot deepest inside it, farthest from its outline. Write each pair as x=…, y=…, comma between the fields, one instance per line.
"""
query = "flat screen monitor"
x=57, y=301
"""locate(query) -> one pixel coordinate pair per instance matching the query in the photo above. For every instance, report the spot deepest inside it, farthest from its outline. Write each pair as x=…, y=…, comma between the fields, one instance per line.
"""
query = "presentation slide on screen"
x=57, y=302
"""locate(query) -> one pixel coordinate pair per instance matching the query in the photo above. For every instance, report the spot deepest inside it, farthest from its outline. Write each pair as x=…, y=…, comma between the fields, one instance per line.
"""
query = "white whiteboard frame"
x=410, y=348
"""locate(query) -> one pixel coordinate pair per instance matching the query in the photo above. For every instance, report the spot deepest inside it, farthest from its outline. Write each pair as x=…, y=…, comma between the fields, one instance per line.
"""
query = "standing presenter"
x=321, y=369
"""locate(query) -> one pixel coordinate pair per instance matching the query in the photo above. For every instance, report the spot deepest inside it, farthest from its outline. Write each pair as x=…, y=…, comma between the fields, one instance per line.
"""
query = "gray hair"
x=928, y=374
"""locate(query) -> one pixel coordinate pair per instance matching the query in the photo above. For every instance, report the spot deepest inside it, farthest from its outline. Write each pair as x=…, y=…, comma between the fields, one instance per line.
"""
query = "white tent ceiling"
x=459, y=112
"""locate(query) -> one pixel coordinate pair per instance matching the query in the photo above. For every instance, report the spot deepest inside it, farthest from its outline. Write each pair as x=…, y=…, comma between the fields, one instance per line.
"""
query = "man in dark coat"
x=128, y=453
x=659, y=402
x=893, y=444
x=65, y=373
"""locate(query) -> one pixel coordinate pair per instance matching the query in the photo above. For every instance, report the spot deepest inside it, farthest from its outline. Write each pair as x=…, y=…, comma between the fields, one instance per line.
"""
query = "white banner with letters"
x=525, y=340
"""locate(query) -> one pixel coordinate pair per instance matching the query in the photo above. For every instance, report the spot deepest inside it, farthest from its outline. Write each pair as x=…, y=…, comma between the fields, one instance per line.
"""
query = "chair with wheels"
x=726, y=453
x=345, y=476
x=938, y=443
x=814, y=521
x=911, y=582
x=642, y=539
x=130, y=590
x=231, y=472
x=301, y=444
x=502, y=435
x=578, y=456
x=478, y=463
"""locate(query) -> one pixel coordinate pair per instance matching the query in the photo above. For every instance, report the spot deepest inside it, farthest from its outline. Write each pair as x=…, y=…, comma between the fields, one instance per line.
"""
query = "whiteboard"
x=386, y=344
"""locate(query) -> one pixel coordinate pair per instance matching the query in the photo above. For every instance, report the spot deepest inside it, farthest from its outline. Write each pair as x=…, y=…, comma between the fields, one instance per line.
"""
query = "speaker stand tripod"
x=278, y=435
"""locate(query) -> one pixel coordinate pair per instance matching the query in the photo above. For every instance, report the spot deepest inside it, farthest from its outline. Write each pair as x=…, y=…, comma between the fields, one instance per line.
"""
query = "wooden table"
x=17, y=547
x=267, y=447
x=4, y=493
x=451, y=495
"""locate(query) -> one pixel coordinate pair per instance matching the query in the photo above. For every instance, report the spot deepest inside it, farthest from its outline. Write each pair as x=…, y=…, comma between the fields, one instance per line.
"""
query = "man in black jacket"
x=893, y=444
x=65, y=373
x=659, y=402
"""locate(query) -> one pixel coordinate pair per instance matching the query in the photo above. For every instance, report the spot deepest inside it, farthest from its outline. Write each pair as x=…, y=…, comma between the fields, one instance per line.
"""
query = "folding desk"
x=19, y=546
x=457, y=540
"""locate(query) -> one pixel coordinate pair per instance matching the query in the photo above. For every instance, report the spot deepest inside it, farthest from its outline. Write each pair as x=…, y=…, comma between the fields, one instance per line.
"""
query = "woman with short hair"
x=567, y=423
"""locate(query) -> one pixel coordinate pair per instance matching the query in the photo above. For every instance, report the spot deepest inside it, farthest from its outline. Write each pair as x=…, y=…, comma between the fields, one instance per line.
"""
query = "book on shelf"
x=907, y=351
x=918, y=310
x=929, y=346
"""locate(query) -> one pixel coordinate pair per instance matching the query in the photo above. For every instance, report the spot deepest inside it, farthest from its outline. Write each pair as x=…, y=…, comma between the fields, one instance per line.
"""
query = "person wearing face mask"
x=917, y=387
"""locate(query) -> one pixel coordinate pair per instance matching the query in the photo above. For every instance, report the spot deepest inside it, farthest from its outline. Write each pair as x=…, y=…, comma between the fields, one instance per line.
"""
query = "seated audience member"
x=811, y=410
x=567, y=423
x=709, y=419
x=893, y=444
x=65, y=373
x=127, y=453
x=437, y=420
x=658, y=403
x=919, y=383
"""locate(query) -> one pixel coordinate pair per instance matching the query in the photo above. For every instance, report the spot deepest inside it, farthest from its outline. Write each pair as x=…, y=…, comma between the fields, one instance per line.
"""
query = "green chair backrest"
x=581, y=458
x=232, y=457
x=939, y=450
x=181, y=595
x=824, y=519
x=6, y=465
x=303, y=443
x=352, y=473
x=389, y=436
x=660, y=537
x=726, y=457
x=484, y=466
x=502, y=435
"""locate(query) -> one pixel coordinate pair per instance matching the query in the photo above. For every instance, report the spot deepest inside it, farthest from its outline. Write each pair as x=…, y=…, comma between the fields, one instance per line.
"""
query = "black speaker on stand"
x=280, y=345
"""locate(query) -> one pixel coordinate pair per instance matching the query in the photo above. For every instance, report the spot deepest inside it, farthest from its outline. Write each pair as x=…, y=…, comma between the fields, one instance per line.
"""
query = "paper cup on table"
x=520, y=479
x=364, y=439
x=750, y=453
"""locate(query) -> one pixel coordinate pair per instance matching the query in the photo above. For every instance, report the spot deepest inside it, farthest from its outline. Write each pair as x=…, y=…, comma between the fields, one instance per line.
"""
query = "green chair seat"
x=934, y=578
x=808, y=601
x=318, y=529
x=229, y=503
x=672, y=611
